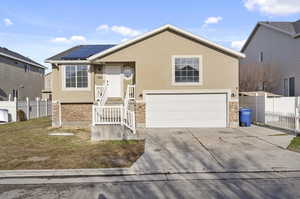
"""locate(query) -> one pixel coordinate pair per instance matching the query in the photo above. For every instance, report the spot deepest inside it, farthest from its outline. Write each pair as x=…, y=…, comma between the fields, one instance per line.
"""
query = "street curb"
x=65, y=173
x=153, y=177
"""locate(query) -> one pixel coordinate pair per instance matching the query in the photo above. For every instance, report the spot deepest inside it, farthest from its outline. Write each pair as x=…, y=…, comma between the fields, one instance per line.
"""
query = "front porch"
x=114, y=99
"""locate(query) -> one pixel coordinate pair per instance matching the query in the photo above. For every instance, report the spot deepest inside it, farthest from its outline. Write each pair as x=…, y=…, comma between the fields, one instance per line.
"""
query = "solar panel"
x=85, y=51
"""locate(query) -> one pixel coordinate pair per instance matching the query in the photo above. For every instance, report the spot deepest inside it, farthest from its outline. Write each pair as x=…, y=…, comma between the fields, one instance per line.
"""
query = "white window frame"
x=75, y=88
x=200, y=71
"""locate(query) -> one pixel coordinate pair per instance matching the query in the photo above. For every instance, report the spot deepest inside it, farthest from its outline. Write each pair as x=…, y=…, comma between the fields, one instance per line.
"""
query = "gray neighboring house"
x=46, y=92
x=19, y=76
x=272, y=60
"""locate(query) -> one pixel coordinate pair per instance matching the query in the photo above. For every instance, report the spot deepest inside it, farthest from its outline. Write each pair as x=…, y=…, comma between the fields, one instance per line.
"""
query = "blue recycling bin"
x=245, y=117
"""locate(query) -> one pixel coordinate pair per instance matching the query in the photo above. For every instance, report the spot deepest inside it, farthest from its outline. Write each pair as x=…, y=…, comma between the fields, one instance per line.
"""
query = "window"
x=26, y=67
x=292, y=86
x=15, y=93
x=76, y=76
x=261, y=57
x=187, y=69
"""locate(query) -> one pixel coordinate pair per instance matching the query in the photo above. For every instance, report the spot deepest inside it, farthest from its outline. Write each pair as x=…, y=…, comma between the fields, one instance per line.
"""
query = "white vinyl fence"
x=32, y=108
x=281, y=112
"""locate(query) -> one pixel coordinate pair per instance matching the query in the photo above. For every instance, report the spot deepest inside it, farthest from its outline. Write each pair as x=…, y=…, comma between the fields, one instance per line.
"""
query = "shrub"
x=21, y=115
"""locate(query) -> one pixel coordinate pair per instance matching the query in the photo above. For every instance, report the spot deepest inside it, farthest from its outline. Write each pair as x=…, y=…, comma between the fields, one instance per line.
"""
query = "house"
x=19, y=76
x=46, y=92
x=272, y=60
x=172, y=77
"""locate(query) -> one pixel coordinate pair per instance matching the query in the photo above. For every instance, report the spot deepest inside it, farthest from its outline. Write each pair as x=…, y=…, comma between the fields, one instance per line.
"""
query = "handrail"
x=101, y=93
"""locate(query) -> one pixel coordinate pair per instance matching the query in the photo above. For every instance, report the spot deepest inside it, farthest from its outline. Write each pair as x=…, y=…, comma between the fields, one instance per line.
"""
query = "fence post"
x=16, y=107
x=256, y=106
x=37, y=107
x=46, y=107
x=27, y=108
x=297, y=114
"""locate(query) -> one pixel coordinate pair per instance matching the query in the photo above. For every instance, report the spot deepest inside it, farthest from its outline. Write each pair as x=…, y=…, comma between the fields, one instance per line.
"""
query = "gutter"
x=22, y=60
x=66, y=61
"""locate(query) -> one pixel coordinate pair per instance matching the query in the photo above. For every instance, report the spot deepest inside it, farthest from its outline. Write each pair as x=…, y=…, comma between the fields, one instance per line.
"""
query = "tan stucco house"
x=162, y=79
x=272, y=60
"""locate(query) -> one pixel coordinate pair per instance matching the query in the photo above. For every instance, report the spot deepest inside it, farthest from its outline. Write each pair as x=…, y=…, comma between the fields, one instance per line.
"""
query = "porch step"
x=113, y=132
x=114, y=101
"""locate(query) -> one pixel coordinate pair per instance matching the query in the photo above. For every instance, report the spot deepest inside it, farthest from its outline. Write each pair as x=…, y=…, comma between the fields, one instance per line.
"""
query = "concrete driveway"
x=216, y=150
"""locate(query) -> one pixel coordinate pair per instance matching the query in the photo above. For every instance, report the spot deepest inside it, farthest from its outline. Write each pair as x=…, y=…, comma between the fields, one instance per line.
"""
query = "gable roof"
x=290, y=28
x=163, y=28
x=18, y=57
x=107, y=49
x=81, y=52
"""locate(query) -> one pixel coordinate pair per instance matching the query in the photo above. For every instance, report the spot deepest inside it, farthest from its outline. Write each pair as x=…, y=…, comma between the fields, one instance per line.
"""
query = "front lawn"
x=28, y=145
x=295, y=144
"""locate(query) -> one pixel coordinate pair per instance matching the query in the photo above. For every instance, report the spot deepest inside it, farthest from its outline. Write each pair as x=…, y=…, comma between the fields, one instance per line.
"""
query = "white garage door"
x=186, y=110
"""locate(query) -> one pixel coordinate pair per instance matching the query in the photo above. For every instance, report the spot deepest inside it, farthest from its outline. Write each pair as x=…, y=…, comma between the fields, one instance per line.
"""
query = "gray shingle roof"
x=81, y=52
x=18, y=56
x=290, y=27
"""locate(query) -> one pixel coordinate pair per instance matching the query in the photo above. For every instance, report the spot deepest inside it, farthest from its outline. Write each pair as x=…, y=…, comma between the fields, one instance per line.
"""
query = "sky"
x=40, y=29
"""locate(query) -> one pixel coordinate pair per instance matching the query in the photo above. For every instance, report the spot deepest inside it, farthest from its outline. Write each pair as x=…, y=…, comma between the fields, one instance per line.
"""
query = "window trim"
x=88, y=88
x=174, y=83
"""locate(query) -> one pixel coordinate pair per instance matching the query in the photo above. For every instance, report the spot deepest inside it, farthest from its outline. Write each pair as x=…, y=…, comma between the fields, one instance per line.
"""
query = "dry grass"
x=295, y=144
x=27, y=145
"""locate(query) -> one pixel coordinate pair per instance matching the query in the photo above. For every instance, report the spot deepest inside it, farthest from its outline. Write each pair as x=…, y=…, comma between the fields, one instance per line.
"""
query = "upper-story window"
x=261, y=57
x=76, y=76
x=187, y=69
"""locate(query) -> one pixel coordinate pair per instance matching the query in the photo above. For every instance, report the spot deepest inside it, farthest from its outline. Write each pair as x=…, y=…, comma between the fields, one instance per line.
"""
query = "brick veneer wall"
x=76, y=114
x=233, y=114
x=140, y=117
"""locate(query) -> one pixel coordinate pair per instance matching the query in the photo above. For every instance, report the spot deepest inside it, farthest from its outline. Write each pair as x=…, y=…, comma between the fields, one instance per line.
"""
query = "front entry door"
x=113, y=76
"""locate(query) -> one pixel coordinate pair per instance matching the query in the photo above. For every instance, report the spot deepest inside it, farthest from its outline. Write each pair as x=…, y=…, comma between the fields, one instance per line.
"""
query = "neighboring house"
x=46, y=92
x=272, y=60
x=181, y=80
x=19, y=76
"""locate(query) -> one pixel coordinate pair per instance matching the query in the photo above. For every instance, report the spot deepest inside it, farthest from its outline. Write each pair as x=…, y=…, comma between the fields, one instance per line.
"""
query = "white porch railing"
x=113, y=115
x=101, y=93
x=131, y=91
x=129, y=120
x=107, y=114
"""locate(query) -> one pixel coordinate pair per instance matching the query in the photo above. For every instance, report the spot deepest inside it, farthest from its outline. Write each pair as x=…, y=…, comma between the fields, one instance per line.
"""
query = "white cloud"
x=125, y=31
x=274, y=7
x=60, y=40
x=213, y=20
x=122, y=30
x=7, y=22
x=102, y=27
x=78, y=38
x=73, y=39
x=238, y=44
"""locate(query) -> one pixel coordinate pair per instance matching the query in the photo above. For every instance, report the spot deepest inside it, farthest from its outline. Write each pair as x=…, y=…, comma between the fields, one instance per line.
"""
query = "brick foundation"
x=55, y=114
x=76, y=114
x=233, y=114
x=140, y=117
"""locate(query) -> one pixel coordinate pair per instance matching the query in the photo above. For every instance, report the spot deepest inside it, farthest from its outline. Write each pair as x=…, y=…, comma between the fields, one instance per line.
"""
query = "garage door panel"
x=186, y=110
